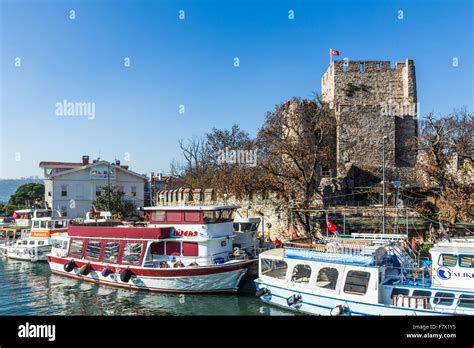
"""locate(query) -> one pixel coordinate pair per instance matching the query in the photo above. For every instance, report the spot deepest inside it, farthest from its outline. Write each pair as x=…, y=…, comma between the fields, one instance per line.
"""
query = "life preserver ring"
x=69, y=266
x=193, y=264
x=164, y=264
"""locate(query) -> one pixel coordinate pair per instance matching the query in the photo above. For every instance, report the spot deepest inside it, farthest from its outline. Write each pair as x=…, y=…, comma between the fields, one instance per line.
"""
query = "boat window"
x=357, y=282
x=422, y=293
x=41, y=242
x=448, y=260
x=399, y=291
x=192, y=216
x=444, y=298
x=236, y=227
x=190, y=249
x=210, y=216
x=158, y=215
x=60, y=224
x=76, y=248
x=466, y=261
x=43, y=224
x=227, y=214
x=246, y=227
x=327, y=278
x=32, y=242
x=93, y=250
x=132, y=253
x=36, y=224
x=59, y=244
x=50, y=224
x=111, y=251
x=157, y=248
x=273, y=268
x=301, y=274
x=173, y=216
x=466, y=301
x=173, y=248
x=24, y=242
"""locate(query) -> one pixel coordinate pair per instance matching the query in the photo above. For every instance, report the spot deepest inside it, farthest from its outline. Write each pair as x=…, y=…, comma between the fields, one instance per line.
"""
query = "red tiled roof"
x=65, y=164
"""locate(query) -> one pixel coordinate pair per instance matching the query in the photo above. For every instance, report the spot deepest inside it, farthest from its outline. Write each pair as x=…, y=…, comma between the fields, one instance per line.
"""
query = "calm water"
x=30, y=289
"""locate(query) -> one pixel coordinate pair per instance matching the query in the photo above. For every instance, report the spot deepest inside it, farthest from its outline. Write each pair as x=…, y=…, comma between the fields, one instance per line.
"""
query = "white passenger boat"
x=36, y=243
x=181, y=249
x=367, y=277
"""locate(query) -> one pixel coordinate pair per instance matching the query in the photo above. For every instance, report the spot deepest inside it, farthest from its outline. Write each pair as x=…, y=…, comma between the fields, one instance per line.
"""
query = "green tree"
x=29, y=195
x=112, y=199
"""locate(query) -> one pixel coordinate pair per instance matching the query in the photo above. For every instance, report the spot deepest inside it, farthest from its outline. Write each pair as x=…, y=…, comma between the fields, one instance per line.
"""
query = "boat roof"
x=31, y=210
x=455, y=246
x=240, y=219
x=193, y=207
x=277, y=253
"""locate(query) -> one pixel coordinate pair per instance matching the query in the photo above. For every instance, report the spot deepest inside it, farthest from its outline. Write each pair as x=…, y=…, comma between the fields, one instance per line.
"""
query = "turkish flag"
x=94, y=214
x=334, y=52
x=293, y=231
x=331, y=227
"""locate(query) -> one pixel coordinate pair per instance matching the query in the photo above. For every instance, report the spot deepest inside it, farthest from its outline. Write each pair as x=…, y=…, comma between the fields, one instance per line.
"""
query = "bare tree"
x=295, y=144
x=445, y=163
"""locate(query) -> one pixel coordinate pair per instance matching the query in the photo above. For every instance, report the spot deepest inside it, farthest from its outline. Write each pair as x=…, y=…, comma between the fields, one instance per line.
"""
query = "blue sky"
x=190, y=62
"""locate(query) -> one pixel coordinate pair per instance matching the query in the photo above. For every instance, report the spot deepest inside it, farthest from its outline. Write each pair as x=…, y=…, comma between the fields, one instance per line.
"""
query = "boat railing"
x=324, y=248
x=418, y=302
x=418, y=276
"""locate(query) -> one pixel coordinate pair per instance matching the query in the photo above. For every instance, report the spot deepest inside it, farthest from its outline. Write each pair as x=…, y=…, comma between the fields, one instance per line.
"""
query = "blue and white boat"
x=378, y=276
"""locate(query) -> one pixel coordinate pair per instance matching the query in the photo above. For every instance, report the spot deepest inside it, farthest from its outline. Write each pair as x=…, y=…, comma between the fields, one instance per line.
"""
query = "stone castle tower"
x=372, y=100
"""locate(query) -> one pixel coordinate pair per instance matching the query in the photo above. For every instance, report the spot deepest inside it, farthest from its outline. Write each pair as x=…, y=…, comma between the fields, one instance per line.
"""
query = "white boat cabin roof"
x=193, y=207
x=460, y=246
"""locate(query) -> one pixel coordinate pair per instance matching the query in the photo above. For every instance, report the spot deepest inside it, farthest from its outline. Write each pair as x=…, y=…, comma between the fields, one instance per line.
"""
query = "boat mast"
x=383, y=183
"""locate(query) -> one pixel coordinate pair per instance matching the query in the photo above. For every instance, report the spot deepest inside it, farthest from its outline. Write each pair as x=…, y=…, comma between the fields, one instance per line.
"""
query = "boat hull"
x=215, y=278
x=33, y=254
x=322, y=304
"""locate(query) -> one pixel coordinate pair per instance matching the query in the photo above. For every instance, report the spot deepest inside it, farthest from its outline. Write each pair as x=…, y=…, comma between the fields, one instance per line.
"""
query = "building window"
x=76, y=248
x=466, y=261
x=357, y=282
x=134, y=191
x=64, y=211
x=93, y=250
x=63, y=190
x=443, y=298
x=98, y=190
x=327, y=278
x=111, y=251
x=79, y=190
x=301, y=274
x=448, y=260
x=325, y=172
x=132, y=253
x=273, y=268
x=466, y=301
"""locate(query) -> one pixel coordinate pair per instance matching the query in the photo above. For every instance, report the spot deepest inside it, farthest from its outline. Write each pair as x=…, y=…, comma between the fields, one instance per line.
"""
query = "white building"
x=73, y=187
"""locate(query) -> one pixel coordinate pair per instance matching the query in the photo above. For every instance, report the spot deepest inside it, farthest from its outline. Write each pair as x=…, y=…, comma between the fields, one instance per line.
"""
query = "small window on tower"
x=361, y=67
x=344, y=67
x=377, y=66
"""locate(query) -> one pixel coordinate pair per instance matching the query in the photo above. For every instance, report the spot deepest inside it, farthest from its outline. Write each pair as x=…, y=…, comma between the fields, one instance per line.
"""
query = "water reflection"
x=31, y=289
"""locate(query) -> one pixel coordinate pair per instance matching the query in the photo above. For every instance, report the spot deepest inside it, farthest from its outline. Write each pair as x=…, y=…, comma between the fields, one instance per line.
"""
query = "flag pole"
x=330, y=56
x=326, y=225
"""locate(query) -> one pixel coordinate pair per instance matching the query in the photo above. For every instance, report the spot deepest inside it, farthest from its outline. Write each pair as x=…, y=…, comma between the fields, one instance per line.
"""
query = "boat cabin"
x=46, y=226
x=23, y=217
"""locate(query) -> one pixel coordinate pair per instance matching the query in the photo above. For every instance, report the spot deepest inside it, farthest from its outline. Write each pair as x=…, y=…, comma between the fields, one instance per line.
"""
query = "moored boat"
x=181, y=249
x=368, y=277
x=36, y=243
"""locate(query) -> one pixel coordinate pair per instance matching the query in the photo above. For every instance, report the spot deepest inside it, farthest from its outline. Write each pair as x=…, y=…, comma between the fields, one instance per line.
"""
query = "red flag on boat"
x=331, y=227
x=334, y=52
x=277, y=242
x=294, y=232
x=94, y=214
